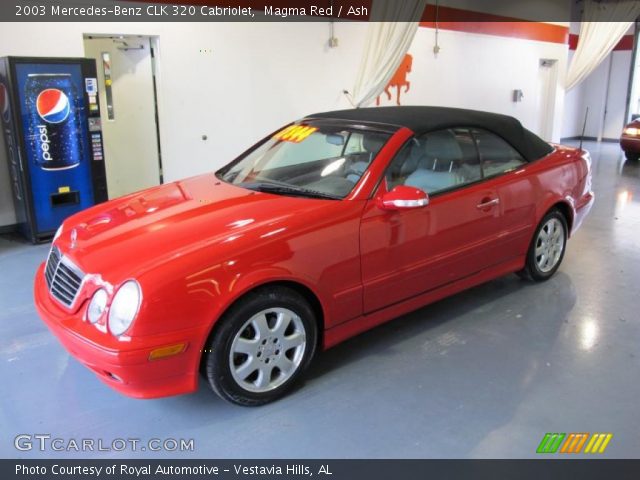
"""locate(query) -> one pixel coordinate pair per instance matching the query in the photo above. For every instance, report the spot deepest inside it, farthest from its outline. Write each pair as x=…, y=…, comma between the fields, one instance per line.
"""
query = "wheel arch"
x=566, y=209
x=564, y=204
x=300, y=288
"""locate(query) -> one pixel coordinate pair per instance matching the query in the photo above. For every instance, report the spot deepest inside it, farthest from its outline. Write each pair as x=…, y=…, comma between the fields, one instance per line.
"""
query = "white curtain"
x=386, y=45
x=598, y=35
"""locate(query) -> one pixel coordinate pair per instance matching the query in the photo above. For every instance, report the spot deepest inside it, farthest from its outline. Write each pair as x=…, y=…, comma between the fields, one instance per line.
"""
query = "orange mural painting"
x=399, y=79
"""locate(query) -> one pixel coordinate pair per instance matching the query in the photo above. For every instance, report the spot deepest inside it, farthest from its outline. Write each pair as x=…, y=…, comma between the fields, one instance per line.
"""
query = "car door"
x=407, y=252
x=506, y=171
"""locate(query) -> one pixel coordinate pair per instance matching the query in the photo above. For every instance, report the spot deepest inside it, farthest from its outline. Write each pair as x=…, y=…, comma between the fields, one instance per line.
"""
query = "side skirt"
x=342, y=332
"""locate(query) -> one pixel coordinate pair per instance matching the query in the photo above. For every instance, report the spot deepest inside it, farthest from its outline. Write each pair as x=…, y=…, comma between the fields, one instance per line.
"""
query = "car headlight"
x=632, y=131
x=97, y=306
x=124, y=307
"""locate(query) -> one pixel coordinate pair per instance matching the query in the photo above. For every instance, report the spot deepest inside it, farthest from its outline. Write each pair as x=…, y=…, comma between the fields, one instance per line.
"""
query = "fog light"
x=165, y=352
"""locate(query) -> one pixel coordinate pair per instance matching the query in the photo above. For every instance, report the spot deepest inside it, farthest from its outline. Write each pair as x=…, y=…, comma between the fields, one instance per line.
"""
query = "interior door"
x=127, y=103
x=408, y=252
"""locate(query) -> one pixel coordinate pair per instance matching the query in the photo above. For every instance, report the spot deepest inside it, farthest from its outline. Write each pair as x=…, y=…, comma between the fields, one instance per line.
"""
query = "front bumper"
x=124, y=365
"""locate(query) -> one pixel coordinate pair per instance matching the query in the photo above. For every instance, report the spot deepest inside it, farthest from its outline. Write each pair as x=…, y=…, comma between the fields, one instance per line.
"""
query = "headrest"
x=442, y=145
x=372, y=142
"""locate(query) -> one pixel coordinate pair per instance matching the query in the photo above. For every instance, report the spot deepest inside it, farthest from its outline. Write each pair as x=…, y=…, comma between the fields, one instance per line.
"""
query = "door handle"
x=486, y=203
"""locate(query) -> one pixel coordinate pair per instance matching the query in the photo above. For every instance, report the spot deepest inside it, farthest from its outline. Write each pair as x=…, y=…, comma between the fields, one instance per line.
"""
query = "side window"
x=497, y=155
x=436, y=161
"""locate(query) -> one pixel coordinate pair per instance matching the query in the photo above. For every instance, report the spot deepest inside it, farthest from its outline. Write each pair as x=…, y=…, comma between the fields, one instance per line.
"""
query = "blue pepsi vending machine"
x=53, y=137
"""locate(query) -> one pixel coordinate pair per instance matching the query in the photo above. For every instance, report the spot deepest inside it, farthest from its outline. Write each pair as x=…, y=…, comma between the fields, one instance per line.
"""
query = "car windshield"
x=311, y=160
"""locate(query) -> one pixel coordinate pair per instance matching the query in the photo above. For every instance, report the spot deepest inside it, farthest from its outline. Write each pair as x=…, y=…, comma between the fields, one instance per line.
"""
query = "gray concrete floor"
x=483, y=374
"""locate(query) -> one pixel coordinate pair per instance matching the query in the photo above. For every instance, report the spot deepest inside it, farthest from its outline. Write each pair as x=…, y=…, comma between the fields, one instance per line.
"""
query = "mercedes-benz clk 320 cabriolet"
x=324, y=229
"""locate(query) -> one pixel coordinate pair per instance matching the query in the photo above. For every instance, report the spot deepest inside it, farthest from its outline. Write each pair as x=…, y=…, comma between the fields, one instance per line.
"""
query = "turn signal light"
x=164, y=352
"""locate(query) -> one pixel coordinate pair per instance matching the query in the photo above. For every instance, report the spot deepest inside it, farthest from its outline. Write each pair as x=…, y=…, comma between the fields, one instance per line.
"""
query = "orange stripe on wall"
x=541, y=32
x=459, y=20
x=625, y=43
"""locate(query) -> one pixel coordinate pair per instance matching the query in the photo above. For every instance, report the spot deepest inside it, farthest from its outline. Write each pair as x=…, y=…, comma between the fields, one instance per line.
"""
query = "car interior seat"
x=359, y=162
x=439, y=167
x=409, y=158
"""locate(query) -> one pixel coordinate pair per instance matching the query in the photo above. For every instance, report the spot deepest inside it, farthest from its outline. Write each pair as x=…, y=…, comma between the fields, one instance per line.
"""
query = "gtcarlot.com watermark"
x=45, y=442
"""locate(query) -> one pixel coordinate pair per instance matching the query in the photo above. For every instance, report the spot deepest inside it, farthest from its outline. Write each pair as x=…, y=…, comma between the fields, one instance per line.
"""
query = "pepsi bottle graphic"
x=54, y=122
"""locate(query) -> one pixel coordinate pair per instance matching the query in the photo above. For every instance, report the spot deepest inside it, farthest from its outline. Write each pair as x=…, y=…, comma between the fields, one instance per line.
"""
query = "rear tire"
x=547, y=248
x=631, y=156
x=261, y=347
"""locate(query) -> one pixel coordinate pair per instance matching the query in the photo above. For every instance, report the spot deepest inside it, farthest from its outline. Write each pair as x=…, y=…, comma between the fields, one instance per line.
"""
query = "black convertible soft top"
x=428, y=119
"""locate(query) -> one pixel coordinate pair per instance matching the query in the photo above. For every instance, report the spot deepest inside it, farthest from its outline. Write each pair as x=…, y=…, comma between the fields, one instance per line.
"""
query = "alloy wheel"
x=549, y=245
x=267, y=350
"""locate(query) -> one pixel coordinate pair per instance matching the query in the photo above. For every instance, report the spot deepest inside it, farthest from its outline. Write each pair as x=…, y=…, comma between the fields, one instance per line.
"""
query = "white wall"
x=480, y=72
x=258, y=77
x=618, y=88
x=573, y=118
x=262, y=75
x=592, y=93
x=634, y=101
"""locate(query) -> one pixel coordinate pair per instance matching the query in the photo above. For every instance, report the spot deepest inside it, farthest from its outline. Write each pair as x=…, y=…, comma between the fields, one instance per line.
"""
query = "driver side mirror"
x=403, y=197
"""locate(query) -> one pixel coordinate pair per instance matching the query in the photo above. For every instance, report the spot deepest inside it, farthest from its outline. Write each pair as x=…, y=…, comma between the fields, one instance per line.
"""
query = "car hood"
x=127, y=235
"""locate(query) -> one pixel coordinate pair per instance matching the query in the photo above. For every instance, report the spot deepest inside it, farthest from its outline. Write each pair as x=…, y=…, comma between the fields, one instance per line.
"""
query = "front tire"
x=547, y=248
x=263, y=344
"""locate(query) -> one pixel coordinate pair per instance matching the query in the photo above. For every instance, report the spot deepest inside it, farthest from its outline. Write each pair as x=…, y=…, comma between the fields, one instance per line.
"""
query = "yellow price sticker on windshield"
x=295, y=133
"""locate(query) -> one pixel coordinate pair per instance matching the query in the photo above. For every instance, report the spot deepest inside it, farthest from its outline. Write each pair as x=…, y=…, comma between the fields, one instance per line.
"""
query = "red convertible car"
x=630, y=140
x=324, y=229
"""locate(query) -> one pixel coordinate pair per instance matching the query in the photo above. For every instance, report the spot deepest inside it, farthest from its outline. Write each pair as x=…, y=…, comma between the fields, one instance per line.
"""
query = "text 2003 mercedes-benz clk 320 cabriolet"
x=328, y=227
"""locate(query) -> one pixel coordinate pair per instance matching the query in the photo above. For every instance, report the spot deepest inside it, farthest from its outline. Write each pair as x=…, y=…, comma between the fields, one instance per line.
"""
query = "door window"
x=436, y=162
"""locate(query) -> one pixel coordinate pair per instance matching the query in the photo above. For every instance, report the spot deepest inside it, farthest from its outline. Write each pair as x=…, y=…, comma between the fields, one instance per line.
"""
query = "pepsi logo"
x=53, y=105
x=4, y=102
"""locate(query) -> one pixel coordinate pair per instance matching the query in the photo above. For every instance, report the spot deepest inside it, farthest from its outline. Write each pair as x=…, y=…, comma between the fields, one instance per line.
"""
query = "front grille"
x=63, y=278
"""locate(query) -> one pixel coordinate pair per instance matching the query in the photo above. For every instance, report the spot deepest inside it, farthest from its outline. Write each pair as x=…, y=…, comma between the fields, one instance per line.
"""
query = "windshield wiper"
x=287, y=190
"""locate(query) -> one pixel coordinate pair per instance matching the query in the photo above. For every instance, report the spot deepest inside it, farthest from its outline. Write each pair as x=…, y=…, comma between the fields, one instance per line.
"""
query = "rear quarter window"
x=496, y=155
